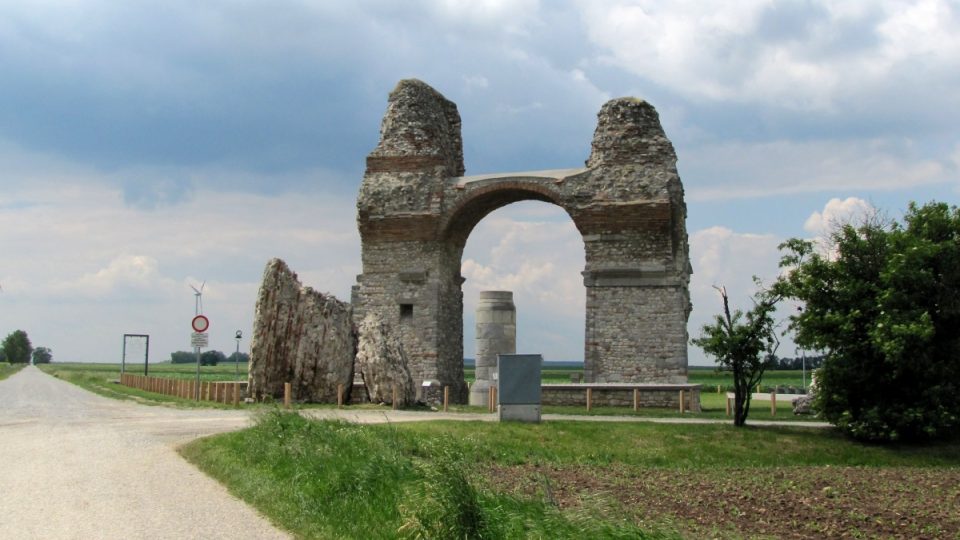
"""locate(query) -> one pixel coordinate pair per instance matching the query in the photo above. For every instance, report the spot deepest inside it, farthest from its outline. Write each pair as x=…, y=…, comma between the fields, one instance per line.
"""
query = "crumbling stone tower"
x=416, y=209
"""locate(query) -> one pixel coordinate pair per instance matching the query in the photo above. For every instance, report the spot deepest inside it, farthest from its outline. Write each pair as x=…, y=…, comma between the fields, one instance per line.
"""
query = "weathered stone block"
x=383, y=364
x=300, y=336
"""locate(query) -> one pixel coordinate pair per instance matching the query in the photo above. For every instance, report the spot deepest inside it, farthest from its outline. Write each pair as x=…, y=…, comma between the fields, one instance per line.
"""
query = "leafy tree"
x=744, y=343
x=885, y=307
x=241, y=358
x=207, y=358
x=212, y=358
x=17, y=348
x=183, y=357
x=42, y=355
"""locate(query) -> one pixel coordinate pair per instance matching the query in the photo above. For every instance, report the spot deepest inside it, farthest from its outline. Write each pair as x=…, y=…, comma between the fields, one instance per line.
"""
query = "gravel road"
x=77, y=465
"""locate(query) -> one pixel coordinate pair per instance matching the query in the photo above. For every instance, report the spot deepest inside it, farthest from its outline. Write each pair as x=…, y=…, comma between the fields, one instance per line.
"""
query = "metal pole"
x=146, y=356
x=236, y=358
x=196, y=311
x=123, y=358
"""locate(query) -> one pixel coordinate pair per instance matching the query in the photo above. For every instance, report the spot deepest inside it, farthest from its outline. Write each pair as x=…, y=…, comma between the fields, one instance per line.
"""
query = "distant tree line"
x=812, y=362
x=208, y=358
x=17, y=349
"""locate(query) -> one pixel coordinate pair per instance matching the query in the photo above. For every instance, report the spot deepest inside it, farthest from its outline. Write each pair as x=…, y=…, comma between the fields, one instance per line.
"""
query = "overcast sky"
x=147, y=146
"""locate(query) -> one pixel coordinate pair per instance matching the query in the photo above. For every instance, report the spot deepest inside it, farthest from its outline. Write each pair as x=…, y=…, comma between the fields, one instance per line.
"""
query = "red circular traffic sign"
x=200, y=323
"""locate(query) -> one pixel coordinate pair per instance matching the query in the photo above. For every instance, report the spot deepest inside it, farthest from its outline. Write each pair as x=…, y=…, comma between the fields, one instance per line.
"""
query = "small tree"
x=42, y=355
x=183, y=357
x=744, y=343
x=17, y=347
x=212, y=358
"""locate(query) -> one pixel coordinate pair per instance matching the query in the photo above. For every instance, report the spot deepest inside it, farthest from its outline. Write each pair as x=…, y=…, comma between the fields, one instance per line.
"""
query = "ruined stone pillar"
x=496, y=334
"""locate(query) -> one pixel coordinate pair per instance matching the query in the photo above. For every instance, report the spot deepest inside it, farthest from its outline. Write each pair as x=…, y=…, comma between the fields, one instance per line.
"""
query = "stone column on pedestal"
x=496, y=334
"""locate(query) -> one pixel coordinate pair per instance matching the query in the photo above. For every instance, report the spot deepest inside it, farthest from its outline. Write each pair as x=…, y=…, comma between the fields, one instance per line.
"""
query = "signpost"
x=199, y=338
x=200, y=323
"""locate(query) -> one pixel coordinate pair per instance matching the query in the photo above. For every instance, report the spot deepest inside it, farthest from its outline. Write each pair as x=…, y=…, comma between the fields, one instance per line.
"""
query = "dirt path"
x=77, y=465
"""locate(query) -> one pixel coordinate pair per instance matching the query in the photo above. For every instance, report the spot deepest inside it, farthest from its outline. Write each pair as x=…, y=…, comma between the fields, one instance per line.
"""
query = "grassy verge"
x=7, y=370
x=458, y=479
x=99, y=379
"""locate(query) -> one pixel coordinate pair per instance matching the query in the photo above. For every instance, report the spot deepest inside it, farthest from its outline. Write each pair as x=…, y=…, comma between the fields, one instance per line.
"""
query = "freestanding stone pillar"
x=496, y=334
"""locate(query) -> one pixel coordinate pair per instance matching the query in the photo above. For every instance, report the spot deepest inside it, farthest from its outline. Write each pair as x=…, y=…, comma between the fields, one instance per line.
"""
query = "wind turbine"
x=198, y=293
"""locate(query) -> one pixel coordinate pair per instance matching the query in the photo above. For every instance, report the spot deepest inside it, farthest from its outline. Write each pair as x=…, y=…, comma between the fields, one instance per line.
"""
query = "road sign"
x=199, y=339
x=200, y=323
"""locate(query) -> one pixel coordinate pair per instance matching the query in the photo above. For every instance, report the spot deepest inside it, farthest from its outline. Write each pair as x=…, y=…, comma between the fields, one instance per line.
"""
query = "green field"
x=221, y=372
x=581, y=480
x=102, y=379
x=707, y=376
x=98, y=378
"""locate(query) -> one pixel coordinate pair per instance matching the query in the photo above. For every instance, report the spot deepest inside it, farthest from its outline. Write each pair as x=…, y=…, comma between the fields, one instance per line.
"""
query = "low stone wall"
x=622, y=394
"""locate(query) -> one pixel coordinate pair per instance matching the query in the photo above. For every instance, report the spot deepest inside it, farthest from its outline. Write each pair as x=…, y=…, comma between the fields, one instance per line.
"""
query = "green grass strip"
x=329, y=479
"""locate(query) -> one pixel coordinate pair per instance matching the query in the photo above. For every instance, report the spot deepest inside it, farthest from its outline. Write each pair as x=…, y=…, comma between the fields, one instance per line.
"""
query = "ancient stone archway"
x=416, y=209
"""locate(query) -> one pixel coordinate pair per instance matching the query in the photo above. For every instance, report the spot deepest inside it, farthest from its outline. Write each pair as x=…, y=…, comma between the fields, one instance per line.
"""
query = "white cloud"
x=808, y=56
x=722, y=257
x=732, y=170
x=837, y=212
x=534, y=250
x=80, y=267
x=136, y=272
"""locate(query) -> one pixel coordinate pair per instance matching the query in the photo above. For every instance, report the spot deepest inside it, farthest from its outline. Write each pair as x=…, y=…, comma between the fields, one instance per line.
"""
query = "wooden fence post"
x=394, y=397
x=589, y=398
x=636, y=399
x=490, y=402
x=286, y=395
x=340, y=396
x=682, y=404
x=446, y=398
x=236, y=394
x=728, y=405
x=773, y=404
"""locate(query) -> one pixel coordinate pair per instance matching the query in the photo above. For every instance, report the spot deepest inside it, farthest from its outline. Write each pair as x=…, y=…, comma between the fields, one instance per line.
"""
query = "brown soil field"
x=777, y=502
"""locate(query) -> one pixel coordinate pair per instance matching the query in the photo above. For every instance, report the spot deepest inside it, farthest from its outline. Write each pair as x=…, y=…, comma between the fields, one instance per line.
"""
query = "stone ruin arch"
x=416, y=210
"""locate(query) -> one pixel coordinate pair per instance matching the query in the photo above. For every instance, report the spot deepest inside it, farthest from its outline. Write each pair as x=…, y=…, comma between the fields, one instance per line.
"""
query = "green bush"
x=885, y=306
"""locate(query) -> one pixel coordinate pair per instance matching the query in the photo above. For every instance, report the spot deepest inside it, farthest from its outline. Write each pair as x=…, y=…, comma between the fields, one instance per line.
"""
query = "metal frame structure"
x=146, y=353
